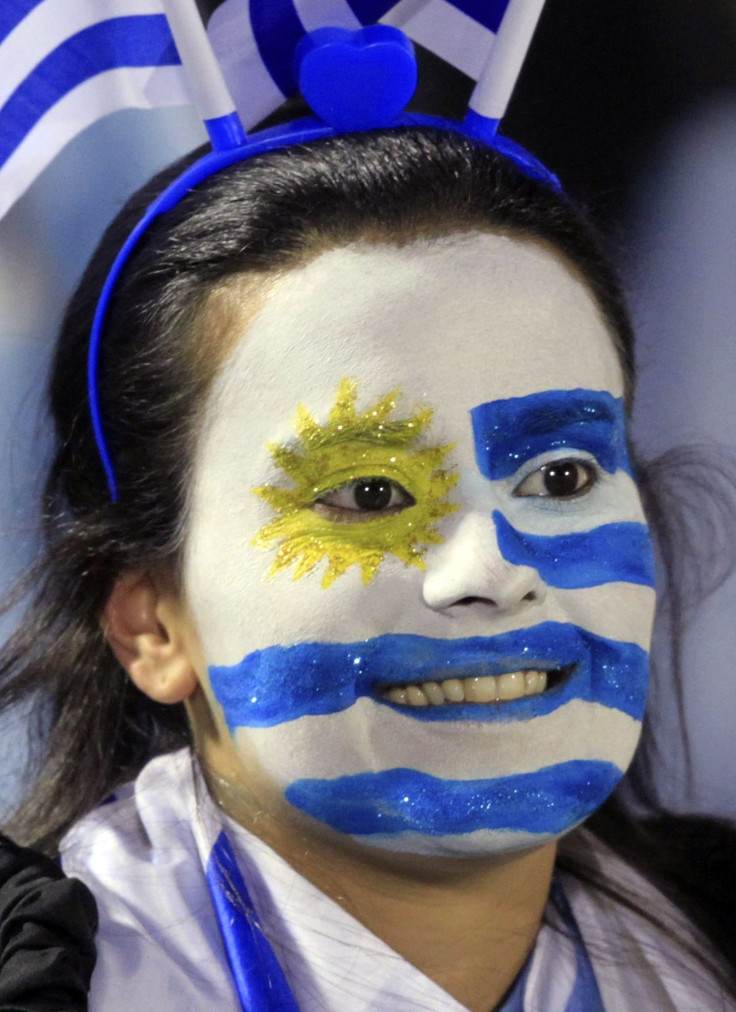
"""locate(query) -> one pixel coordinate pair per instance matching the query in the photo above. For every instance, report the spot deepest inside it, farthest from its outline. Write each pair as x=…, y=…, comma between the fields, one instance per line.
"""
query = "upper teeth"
x=488, y=689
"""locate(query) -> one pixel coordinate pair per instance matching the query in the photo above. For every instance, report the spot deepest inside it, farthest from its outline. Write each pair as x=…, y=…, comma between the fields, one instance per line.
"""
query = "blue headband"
x=377, y=71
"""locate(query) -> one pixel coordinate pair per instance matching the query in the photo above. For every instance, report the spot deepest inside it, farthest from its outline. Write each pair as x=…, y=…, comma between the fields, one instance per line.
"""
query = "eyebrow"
x=509, y=432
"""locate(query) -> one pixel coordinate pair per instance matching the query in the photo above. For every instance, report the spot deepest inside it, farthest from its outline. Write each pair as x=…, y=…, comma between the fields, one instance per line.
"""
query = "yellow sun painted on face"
x=375, y=454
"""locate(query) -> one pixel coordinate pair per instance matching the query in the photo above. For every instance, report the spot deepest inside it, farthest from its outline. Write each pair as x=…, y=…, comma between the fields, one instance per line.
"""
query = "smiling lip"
x=495, y=689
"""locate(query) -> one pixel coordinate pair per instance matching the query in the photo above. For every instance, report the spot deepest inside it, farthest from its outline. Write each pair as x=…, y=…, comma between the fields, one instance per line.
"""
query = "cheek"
x=240, y=607
x=223, y=576
x=267, y=567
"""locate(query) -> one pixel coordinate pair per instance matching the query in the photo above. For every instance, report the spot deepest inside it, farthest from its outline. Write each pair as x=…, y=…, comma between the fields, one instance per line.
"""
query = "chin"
x=409, y=811
x=482, y=843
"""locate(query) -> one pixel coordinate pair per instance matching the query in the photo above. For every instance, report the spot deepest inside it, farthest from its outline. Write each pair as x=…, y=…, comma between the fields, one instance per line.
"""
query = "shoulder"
x=644, y=951
x=158, y=942
x=47, y=926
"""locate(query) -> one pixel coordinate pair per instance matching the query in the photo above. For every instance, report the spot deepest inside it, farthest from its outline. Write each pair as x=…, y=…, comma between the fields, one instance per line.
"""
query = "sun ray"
x=349, y=446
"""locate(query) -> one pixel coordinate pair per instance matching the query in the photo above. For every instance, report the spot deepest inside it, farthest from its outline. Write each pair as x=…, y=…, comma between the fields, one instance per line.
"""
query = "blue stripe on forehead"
x=509, y=432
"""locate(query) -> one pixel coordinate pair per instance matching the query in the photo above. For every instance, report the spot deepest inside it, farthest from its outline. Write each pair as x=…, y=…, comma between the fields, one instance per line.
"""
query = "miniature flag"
x=66, y=63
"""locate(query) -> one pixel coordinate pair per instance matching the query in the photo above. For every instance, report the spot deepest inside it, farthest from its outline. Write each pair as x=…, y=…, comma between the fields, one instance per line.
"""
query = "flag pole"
x=207, y=85
x=496, y=83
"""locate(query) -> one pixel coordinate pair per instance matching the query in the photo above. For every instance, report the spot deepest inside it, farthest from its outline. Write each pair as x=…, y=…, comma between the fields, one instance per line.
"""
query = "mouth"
x=279, y=684
x=487, y=689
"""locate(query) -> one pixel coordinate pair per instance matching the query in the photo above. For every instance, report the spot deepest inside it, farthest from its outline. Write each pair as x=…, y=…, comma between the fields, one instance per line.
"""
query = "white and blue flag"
x=66, y=63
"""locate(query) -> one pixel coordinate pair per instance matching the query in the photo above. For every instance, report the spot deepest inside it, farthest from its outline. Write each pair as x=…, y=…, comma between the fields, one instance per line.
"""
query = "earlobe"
x=147, y=631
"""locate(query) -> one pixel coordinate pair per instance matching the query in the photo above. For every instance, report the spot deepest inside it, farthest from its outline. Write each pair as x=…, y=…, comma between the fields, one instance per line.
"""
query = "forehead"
x=469, y=318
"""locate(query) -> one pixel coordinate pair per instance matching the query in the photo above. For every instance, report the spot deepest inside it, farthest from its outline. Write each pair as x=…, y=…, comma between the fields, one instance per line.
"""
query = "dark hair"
x=161, y=348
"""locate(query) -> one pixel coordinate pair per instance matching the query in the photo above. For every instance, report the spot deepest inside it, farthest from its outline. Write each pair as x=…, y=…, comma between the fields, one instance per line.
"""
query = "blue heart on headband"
x=356, y=80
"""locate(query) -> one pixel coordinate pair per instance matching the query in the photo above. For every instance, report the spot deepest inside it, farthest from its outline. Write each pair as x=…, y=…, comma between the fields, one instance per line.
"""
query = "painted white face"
x=417, y=560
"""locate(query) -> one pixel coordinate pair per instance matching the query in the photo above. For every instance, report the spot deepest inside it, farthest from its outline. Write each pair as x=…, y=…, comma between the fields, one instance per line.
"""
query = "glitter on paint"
x=309, y=679
x=612, y=552
x=349, y=446
x=509, y=432
x=391, y=802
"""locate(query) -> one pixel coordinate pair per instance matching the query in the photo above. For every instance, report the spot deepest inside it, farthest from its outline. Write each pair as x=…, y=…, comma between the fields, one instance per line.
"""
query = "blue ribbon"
x=259, y=979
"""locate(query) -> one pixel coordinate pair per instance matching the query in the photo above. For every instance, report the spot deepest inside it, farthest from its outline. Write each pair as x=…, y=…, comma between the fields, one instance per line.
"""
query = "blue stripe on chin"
x=549, y=801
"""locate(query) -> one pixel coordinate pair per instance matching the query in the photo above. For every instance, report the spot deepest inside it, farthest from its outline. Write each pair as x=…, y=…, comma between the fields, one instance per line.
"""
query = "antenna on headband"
x=496, y=83
x=210, y=93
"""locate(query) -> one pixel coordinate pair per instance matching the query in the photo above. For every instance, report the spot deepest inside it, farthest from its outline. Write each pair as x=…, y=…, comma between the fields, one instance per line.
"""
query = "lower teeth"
x=486, y=689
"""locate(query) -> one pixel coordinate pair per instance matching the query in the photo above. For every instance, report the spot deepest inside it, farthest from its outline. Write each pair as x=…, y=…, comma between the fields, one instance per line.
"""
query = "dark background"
x=602, y=83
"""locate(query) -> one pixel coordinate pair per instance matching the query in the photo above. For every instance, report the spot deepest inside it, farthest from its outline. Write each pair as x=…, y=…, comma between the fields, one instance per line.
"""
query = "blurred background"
x=633, y=104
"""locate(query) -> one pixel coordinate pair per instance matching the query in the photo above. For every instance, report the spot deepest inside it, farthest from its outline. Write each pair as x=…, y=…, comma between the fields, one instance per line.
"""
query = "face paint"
x=611, y=552
x=353, y=448
x=398, y=802
x=405, y=706
x=285, y=683
x=510, y=432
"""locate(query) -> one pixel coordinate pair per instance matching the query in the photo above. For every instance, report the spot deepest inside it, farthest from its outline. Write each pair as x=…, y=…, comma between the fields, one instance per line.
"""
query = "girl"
x=332, y=685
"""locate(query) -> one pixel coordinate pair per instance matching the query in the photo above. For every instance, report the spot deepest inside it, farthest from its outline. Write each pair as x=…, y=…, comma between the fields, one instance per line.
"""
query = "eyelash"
x=357, y=486
x=591, y=478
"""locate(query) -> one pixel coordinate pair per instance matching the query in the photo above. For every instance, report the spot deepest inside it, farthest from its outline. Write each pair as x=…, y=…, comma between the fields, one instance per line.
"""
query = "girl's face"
x=417, y=559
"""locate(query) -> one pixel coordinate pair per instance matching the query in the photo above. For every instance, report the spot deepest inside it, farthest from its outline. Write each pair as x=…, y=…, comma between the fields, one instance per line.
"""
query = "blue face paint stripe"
x=620, y=552
x=397, y=801
x=278, y=684
x=507, y=433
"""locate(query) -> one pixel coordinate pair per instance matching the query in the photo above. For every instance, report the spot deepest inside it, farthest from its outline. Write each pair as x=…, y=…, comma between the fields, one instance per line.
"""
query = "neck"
x=467, y=923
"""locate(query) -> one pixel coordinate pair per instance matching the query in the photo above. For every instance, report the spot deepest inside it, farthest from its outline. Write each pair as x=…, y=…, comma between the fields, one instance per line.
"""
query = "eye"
x=362, y=496
x=560, y=479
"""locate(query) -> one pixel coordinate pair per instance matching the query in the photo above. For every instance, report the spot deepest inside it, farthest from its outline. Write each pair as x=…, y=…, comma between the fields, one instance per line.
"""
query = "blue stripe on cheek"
x=509, y=432
x=606, y=554
x=549, y=800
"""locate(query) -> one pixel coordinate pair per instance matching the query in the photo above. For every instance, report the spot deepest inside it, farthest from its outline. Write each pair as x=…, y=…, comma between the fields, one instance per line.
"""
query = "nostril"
x=531, y=596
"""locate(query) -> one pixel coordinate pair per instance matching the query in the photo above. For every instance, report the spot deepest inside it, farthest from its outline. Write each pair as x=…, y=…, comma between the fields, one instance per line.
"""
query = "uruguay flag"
x=66, y=63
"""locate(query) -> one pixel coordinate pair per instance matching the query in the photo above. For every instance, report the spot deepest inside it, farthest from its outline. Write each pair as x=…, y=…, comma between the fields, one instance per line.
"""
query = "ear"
x=149, y=633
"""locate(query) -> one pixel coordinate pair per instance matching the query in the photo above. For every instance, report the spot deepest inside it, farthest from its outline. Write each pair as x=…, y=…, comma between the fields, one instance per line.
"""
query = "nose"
x=469, y=567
